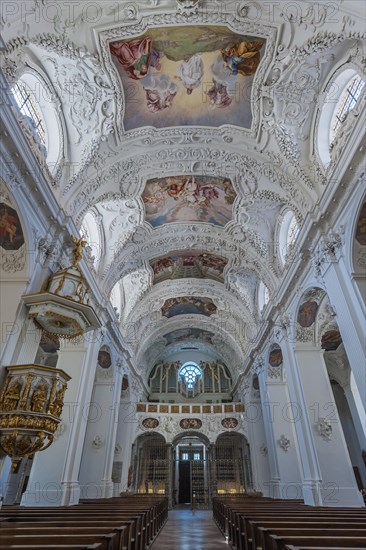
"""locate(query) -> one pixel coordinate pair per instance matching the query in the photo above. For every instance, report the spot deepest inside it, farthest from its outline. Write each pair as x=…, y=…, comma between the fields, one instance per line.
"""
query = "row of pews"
x=253, y=523
x=124, y=523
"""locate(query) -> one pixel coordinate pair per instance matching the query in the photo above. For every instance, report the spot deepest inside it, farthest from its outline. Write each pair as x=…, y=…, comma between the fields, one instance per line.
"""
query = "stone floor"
x=190, y=530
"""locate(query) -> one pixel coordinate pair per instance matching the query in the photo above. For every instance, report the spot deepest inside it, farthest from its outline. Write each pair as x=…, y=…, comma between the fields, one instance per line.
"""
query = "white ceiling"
x=272, y=164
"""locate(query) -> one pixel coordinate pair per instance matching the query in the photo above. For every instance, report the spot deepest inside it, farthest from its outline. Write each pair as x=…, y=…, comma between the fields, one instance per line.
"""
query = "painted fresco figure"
x=160, y=92
x=135, y=56
x=242, y=58
x=8, y=224
x=218, y=96
x=191, y=72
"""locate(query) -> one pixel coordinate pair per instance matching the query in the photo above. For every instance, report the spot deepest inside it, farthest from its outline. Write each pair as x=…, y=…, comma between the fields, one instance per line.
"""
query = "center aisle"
x=187, y=530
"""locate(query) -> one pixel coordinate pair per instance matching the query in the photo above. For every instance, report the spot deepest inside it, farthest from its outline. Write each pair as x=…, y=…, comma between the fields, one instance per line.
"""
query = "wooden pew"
x=251, y=523
x=280, y=543
x=111, y=524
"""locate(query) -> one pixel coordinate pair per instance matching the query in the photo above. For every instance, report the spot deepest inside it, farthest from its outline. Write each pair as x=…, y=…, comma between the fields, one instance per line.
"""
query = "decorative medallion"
x=307, y=313
x=125, y=383
x=229, y=423
x=150, y=423
x=190, y=423
x=104, y=359
x=275, y=358
x=11, y=233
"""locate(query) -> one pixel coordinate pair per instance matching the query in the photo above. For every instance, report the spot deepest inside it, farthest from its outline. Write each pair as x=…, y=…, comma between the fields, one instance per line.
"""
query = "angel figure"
x=78, y=252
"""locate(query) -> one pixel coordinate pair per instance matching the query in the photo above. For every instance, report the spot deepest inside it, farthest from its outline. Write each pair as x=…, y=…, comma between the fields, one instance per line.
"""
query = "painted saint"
x=11, y=235
x=307, y=313
x=160, y=92
x=243, y=58
x=191, y=72
x=136, y=56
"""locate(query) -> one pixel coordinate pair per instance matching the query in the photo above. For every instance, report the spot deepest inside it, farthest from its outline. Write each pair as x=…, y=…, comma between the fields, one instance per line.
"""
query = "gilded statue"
x=39, y=398
x=78, y=252
x=12, y=396
x=55, y=407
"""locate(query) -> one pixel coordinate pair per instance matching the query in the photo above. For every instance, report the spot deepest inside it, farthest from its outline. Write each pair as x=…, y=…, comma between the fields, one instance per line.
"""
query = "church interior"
x=183, y=274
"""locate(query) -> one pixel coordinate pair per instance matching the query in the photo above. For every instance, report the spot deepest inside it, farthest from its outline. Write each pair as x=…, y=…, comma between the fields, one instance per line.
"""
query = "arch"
x=187, y=434
x=150, y=464
x=233, y=464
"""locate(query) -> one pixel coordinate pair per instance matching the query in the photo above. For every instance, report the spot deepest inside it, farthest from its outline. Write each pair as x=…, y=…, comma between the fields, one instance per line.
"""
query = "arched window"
x=38, y=105
x=263, y=296
x=346, y=103
x=29, y=107
x=289, y=231
x=190, y=372
x=89, y=231
x=116, y=298
x=342, y=95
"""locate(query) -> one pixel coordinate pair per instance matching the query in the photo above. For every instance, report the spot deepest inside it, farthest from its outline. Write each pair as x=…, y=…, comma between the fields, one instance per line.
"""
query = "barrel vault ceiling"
x=186, y=129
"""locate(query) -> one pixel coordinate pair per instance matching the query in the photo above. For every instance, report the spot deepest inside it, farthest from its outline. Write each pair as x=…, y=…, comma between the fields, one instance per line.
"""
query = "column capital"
x=327, y=251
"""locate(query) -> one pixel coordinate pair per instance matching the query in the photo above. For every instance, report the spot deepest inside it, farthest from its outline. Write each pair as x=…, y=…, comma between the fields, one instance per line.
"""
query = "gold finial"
x=78, y=252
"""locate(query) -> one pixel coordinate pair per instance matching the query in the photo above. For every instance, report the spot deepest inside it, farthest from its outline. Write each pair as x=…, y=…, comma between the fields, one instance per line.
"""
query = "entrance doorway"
x=191, y=474
x=184, y=482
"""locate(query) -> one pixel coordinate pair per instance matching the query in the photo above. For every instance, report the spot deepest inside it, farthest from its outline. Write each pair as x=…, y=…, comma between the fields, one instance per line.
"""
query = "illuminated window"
x=341, y=94
x=347, y=102
x=190, y=372
x=89, y=231
x=29, y=107
x=288, y=233
x=263, y=296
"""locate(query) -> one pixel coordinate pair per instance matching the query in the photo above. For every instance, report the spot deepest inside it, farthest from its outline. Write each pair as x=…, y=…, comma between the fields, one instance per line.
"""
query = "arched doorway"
x=232, y=467
x=191, y=470
x=150, y=464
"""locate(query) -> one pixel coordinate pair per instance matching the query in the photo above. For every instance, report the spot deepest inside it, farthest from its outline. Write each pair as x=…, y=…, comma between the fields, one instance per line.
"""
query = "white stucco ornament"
x=284, y=443
x=325, y=429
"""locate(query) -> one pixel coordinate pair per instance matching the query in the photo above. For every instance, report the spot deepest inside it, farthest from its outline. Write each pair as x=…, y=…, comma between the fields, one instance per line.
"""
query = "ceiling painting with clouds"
x=188, y=199
x=189, y=335
x=195, y=75
x=187, y=305
x=186, y=264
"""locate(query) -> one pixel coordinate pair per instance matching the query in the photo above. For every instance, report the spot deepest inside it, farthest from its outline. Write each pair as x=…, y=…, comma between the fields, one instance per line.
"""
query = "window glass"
x=29, y=107
x=347, y=102
x=190, y=371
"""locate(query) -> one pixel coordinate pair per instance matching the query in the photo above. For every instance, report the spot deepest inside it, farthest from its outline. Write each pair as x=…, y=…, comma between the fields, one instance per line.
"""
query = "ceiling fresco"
x=189, y=335
x=176, y=76
x=185, y=305
x=188, y=199
x=188, y=264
